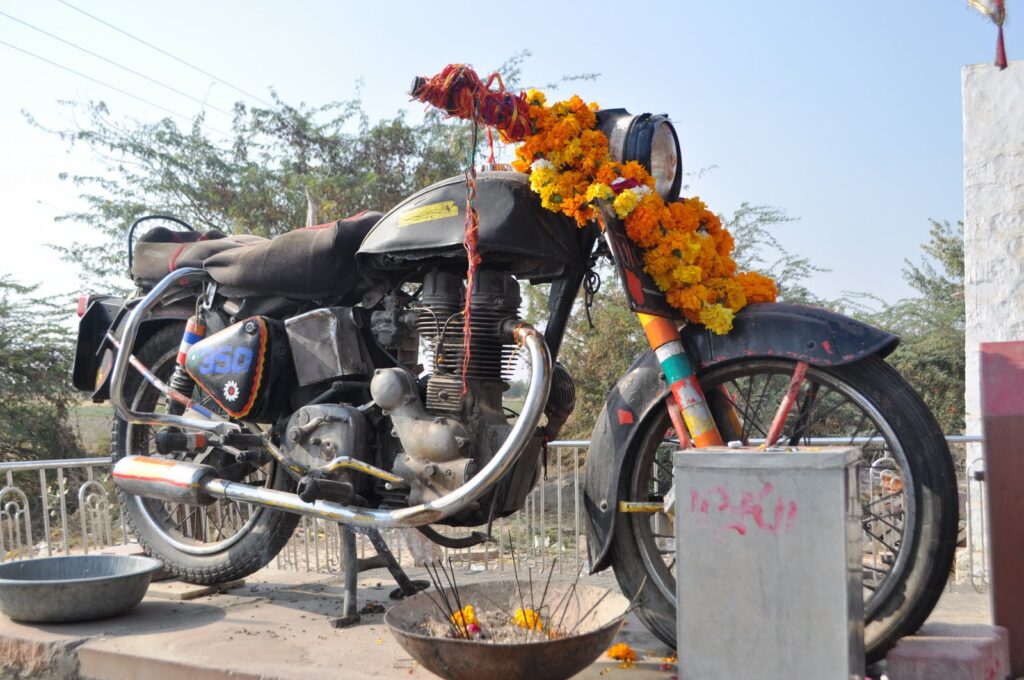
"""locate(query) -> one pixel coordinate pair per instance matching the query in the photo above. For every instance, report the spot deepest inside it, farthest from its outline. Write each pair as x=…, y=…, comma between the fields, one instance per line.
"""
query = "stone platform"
x=276, y=625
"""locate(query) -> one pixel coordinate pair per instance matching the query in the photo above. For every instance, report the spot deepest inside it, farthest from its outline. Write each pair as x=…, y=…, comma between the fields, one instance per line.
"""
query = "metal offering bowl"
x=74, y=588
x=456, y=659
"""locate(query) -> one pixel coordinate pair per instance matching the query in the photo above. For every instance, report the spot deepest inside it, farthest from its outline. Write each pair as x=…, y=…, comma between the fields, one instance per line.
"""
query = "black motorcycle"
x=323, y=373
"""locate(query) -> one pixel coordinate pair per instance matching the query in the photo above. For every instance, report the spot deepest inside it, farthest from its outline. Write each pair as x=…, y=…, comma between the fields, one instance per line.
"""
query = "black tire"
x=903, y=598
x=258, y=539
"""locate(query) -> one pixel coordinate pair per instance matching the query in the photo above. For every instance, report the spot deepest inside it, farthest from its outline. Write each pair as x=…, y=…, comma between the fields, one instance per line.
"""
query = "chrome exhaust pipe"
x=167, y=480
x=196, y=484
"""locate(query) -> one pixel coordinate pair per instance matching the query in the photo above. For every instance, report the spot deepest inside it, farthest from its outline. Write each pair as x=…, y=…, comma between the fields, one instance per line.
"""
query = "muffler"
x=167, y=480
x=195, y=484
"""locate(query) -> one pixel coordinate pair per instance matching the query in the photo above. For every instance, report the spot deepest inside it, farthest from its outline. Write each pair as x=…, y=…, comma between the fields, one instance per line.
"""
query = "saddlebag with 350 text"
x=243, y=366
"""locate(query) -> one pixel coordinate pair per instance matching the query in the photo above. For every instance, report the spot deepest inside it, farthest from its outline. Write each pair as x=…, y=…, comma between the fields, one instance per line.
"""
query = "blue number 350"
x=226, y=360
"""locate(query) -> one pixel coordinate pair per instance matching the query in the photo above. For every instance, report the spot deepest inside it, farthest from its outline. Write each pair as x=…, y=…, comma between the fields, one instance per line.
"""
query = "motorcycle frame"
x=689, y=410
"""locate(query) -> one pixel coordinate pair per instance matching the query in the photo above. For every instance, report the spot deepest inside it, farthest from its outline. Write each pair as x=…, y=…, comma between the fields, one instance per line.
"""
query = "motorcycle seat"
x=307, y=263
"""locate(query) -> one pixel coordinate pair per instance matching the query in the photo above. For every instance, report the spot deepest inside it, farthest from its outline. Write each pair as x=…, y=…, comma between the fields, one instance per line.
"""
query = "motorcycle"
x=334, y=372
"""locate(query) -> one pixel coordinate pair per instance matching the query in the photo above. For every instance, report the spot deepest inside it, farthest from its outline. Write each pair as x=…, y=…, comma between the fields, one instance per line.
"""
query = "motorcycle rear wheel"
x=217, y=543
x=909, y=538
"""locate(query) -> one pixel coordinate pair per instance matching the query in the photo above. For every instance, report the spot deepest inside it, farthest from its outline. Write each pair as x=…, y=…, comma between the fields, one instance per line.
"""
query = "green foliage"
x=35, y=363
x=596, y=358
x=257, y=181
x=931, y=354
x=264, y=176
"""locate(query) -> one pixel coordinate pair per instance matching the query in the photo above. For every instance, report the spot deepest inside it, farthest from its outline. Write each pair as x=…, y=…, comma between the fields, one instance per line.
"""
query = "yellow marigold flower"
x=529, y=619
x=465, y=616
x=599, y=190
x=717, y=318
x=687, y=273
x=624, y=653
x=536, y=97
x=625, y=203
x=541, y=177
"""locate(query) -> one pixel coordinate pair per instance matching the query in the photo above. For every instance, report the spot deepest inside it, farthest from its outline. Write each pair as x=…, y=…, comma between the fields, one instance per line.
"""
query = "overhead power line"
x=166, y=53
x=105, y=84
x=114, y=63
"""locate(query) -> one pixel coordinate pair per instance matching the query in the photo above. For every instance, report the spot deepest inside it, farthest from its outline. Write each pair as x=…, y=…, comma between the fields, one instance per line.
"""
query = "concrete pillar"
x=993, y=103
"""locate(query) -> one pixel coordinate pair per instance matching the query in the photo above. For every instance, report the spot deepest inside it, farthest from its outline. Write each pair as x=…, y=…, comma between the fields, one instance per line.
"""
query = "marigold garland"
x=685, y=248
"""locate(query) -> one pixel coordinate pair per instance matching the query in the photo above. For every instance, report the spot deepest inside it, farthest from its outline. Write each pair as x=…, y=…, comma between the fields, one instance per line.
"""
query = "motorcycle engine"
x=452, y=423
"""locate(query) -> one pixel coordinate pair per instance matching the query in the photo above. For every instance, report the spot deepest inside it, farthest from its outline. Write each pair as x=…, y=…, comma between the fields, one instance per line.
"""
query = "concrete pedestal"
x=769, y=578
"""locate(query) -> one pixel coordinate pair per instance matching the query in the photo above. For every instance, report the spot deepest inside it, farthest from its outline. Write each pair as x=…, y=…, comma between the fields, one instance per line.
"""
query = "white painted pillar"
x=993, y=228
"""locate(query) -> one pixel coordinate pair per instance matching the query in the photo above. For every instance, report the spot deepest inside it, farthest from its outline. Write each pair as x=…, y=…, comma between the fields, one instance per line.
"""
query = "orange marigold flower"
x=624, y=653
x=757, y=287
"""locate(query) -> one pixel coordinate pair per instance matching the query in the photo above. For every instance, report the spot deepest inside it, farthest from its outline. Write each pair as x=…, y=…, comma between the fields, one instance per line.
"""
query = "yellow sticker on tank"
x=428, y=213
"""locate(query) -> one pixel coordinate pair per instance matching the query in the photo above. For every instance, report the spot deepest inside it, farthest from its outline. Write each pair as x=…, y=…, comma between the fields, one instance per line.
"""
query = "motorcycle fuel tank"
x=515, y=230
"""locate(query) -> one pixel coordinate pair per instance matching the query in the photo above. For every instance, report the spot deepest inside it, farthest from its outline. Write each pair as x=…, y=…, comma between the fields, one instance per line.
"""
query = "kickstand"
x=354, y=565
x=349, y=612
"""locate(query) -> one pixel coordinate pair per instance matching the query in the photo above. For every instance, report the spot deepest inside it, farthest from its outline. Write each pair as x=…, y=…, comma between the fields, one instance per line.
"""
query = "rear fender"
x=94, y=356
x=816, y=336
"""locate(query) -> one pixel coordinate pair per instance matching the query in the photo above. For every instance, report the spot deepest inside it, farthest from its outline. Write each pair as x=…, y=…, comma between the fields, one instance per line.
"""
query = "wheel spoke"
x=186, y=526
x=827, y=407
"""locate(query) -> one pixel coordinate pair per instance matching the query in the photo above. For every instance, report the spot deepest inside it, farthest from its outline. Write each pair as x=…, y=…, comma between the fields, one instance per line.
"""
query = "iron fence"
x=69, y=506
x=53, y=507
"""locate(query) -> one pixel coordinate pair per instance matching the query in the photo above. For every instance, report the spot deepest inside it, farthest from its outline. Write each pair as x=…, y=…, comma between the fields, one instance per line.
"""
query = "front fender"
x=798, y=332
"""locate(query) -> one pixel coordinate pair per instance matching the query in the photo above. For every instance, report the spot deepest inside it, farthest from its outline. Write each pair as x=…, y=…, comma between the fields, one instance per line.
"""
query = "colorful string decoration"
x=460, y=92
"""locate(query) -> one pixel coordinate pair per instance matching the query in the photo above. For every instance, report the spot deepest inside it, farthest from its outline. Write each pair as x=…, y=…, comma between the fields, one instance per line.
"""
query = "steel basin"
x=475, y=660
x=74, y=588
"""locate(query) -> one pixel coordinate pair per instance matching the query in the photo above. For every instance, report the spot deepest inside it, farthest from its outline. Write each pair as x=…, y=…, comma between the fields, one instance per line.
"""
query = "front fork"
x=689, y=410
x=688, y=402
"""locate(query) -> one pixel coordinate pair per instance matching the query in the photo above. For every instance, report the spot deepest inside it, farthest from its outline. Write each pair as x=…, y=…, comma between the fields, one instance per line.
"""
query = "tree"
x=265, y=175
x=35, y=364
x=931, y=354
x=258, y=180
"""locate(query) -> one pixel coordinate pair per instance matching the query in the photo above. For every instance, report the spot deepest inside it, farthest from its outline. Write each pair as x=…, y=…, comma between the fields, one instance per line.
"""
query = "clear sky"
x=845, y=114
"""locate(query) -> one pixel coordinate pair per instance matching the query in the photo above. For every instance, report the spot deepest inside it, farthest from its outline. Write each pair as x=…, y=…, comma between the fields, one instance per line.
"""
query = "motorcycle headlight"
x=649, y=139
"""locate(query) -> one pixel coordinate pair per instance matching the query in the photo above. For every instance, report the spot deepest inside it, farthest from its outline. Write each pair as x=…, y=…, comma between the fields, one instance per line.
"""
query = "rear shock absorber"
x=181, y=381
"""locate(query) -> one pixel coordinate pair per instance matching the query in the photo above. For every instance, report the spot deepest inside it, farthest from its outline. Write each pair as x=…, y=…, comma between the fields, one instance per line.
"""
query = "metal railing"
x=72, y=495
x=69, y=506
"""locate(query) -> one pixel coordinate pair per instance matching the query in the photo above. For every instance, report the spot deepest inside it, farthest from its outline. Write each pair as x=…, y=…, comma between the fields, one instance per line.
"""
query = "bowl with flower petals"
x=508, y=629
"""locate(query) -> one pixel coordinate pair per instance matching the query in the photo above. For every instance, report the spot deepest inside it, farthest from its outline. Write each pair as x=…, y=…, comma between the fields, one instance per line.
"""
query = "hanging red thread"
x=470, y=242
x=460, y=92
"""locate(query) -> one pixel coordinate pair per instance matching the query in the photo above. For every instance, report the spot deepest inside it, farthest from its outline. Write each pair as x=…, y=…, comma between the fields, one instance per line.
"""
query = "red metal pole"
x=1002, y=411
x=787, y=403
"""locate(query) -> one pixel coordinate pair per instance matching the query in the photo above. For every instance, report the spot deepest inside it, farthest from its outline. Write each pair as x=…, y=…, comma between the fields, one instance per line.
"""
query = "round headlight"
x=648, y=139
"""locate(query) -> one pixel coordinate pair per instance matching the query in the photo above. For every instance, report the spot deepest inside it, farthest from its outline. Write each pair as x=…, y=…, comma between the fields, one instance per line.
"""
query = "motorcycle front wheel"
x=907, y=487
x=216, y=543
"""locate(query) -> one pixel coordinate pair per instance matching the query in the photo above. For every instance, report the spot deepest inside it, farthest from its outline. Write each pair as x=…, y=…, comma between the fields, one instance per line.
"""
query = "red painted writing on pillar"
x=746, y=510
